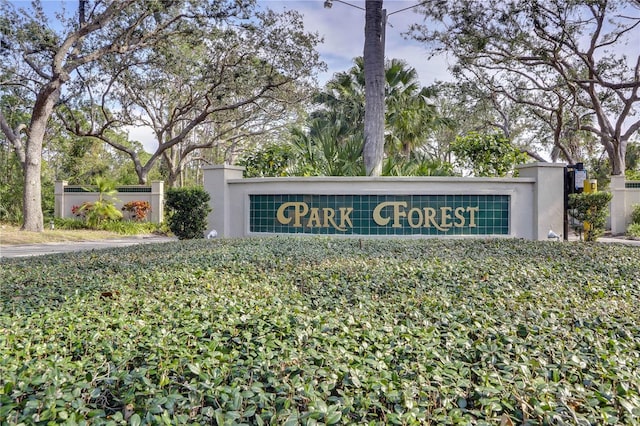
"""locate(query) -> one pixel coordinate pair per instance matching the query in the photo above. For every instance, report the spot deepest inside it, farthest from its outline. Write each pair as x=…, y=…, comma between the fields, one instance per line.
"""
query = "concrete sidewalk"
x=608, y=239
x=26, y=250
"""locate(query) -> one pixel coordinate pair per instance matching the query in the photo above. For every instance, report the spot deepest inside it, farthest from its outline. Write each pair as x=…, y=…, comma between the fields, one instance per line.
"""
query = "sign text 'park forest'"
x=379, y=214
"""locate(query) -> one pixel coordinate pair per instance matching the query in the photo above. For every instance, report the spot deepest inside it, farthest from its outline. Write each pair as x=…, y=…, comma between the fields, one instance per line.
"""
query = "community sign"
x=379, y=214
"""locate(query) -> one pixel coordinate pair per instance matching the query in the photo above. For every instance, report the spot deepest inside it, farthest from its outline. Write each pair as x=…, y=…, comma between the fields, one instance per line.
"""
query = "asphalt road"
x=11, y=251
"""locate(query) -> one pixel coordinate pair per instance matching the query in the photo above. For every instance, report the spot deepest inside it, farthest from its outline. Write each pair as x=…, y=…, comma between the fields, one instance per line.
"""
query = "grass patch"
x=12, y=235
x=74, y=230
x=315, y=330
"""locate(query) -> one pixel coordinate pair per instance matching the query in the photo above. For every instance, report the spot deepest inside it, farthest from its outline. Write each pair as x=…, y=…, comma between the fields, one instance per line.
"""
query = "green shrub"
x=635, y=214
x=117, y=226
x=486, y=154
x=634, y=230
x=129, y=228
x=591, y=208
x=69, y=224
x=270, y=160
x=187, y=210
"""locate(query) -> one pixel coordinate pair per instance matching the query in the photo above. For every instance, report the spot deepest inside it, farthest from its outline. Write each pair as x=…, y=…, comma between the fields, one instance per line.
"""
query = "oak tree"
x=218, y=84
x=565, y=60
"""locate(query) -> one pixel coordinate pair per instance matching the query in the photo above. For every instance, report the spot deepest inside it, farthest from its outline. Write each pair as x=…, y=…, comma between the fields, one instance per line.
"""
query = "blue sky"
x=342, y=27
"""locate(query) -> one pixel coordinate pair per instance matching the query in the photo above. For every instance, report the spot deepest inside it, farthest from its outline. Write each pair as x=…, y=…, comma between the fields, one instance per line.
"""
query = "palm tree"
x=336, y=128
x=374, y=28
x=410, y=116
x=327, y=150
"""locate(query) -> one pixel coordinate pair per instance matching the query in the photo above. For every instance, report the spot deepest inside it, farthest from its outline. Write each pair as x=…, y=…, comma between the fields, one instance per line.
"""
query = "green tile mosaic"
x=632, y=185
x=76, y=189
x=143, y=189
x=380, y=214
x=134, y=189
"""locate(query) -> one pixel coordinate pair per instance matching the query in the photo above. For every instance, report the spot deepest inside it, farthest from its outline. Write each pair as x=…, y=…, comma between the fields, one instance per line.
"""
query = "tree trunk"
x=617, y=158
x=32, y=198
x=33, y=219
x=374, y=87
x=616, y=154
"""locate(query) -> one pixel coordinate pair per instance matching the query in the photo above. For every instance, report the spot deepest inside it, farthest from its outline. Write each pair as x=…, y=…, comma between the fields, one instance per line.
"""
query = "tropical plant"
x=103, y=209
x=138, y=209
x=417, y=165
x=326, y=151
x=409, y=116
x=187, y=210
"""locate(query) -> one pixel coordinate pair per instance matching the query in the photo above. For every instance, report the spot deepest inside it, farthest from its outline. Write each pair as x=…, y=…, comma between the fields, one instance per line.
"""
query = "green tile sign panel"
x=379, y=214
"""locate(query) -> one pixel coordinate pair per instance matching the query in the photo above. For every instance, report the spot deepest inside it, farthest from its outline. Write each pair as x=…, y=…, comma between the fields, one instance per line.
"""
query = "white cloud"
x=144, y=135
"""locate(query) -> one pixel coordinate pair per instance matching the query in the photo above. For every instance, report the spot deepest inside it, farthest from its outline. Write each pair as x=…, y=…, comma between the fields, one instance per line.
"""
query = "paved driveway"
x=10, y=251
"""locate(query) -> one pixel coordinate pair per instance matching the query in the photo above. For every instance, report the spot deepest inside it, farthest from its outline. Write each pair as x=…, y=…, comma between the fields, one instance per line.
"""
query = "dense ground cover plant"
x=323, y=331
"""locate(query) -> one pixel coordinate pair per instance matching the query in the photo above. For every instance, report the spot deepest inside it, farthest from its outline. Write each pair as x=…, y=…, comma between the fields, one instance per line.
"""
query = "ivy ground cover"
x=323, y=331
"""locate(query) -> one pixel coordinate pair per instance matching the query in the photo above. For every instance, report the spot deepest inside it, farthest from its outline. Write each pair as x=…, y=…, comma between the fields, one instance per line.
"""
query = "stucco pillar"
x=618, y=205
x=157, y=201
x=548, y=197
x=216, y=184
x=58, y=206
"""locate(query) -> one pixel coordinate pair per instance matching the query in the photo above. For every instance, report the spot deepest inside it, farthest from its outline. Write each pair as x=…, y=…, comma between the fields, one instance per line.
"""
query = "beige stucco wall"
x=64, y=201
x=622, y=202
x=536, y=197
x=548, y=198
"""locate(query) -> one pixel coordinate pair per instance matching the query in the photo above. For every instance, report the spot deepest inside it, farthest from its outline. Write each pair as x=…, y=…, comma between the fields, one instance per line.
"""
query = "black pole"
x=565, y=215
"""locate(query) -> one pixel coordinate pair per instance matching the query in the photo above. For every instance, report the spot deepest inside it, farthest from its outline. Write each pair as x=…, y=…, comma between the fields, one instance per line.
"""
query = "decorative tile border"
x=129, y=189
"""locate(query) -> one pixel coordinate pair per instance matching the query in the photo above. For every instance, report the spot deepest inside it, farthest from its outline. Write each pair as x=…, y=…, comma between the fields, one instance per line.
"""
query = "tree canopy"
x=569, y=63
x=51, y=60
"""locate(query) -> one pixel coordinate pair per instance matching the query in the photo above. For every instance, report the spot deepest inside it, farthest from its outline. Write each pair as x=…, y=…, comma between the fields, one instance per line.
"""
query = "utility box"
x=590, y=186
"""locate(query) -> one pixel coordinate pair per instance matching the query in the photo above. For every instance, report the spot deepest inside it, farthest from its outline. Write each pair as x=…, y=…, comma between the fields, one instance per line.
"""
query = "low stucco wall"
x=68, y=196
x=407, y=206
x=625, y=195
